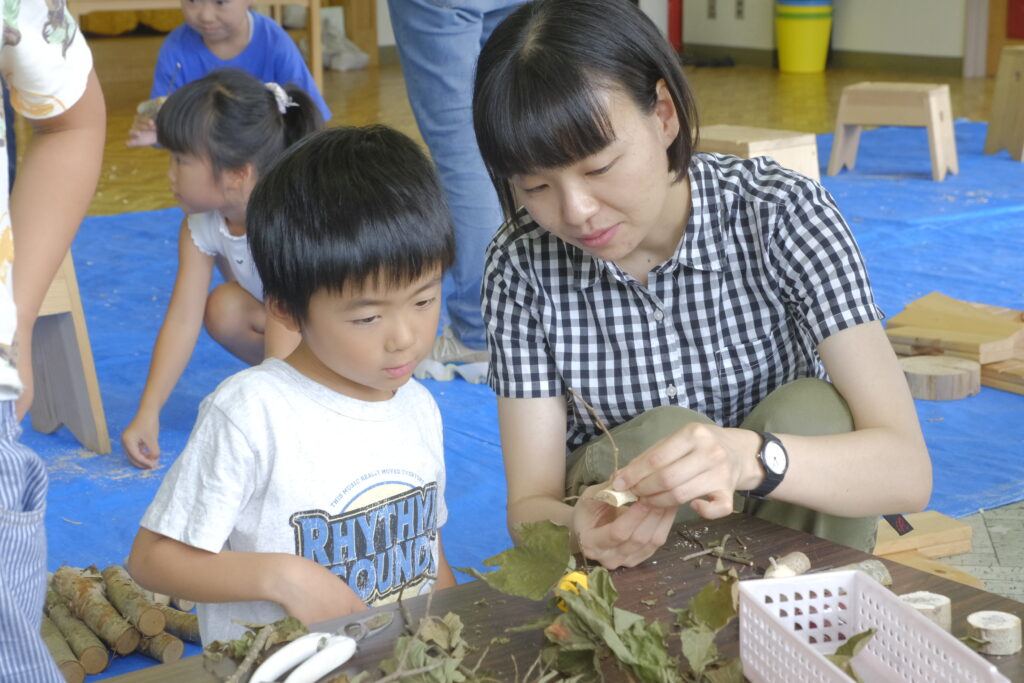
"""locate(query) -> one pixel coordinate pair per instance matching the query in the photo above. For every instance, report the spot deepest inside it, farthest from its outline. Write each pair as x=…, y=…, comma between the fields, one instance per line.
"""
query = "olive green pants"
x=808, y=407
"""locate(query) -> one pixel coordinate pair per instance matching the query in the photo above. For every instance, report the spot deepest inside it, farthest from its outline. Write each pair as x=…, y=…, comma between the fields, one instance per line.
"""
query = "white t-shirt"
x=45, y=62
x=210, y=235
x=280, y=463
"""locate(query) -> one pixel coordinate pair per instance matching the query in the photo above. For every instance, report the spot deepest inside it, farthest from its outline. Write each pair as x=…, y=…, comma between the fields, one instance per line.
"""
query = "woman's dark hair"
x=343, y=208
x=233, y=118
x=536, y=101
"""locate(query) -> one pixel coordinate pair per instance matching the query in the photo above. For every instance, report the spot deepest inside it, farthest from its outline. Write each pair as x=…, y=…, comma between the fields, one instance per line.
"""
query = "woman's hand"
x=619, y=537
x=311, y=593
x=702, y=465
x=140, y=441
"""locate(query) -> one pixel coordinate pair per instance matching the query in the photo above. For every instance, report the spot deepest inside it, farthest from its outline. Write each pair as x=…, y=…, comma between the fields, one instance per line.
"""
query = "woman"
x=715, y=311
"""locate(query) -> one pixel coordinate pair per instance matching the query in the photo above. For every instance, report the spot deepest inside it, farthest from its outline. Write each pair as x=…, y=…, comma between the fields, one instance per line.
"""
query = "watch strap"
x=771, y=479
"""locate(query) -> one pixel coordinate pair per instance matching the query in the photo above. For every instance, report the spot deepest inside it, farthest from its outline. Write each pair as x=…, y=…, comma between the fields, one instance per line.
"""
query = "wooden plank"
x=917, y=560
x=931, y=530
x=958, y=547
x=980, y=347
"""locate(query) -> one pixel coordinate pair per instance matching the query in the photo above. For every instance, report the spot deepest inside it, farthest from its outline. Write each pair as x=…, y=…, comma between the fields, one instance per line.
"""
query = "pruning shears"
x=313, y=655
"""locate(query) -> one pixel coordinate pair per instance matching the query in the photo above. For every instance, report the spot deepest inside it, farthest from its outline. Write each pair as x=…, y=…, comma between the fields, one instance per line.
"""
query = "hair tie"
x=281, y=97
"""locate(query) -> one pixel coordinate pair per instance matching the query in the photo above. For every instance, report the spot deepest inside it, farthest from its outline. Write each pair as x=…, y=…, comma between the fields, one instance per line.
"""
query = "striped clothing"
x=766, y=269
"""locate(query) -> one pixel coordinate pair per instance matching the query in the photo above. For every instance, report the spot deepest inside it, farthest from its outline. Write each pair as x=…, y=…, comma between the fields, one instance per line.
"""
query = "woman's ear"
x=665, y=110
x=278, y=313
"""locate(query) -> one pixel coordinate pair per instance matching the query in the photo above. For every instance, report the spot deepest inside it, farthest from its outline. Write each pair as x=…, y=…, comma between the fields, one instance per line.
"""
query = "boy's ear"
x=275, y=311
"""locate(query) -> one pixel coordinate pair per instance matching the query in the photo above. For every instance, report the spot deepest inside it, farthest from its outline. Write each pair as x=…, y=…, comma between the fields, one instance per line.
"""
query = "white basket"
x=787, y=626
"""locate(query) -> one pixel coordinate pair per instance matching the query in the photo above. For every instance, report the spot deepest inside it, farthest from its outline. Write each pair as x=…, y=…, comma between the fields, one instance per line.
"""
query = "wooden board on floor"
x=913, y=558
x=933, y=533
x=1007, y=375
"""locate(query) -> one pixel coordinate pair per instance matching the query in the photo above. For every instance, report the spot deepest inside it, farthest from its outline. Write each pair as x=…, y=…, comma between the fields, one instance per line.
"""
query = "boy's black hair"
x=343, y=208
x=536, y=103
x=232, y=117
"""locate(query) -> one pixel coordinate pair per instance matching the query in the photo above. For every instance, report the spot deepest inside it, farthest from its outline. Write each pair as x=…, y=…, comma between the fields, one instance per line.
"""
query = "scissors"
x=313, y=655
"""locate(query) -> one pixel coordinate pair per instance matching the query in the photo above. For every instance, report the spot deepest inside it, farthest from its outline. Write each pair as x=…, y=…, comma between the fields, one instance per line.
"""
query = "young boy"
x=222, y=34
x=329, y=464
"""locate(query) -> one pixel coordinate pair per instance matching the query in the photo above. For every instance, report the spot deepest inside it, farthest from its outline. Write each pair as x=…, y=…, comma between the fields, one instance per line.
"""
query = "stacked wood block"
x=934, y=535
x=938, y=325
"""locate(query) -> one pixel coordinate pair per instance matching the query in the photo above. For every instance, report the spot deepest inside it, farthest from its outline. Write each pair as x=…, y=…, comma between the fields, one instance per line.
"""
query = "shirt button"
x=658, y=315
x=671, y=391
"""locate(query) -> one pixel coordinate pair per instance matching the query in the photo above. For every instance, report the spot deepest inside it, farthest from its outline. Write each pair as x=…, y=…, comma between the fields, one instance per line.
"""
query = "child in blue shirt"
x=218, y=34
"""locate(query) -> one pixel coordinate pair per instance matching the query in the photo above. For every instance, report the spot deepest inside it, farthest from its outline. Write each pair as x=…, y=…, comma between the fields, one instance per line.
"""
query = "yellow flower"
x=572, y=581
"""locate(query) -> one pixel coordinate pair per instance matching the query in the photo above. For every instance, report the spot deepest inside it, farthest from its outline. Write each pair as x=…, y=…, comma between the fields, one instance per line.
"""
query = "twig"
x=601, y=426
x=400, y=674
x=698, y=554
x=258, y=643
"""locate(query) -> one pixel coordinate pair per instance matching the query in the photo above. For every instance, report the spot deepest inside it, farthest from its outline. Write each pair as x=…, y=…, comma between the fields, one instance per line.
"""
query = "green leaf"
x=727, y=671
x=531, y=568
x=699, y=647
x=714, y=606
x=848, y=650
x=972, y=642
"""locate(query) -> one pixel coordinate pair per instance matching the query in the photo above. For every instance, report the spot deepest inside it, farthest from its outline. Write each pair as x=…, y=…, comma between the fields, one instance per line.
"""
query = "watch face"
x=774, y=457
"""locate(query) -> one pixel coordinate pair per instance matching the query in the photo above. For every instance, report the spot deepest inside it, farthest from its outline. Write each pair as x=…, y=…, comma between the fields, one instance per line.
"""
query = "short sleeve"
x=522, y=364
x=44, y=60
x=819, y=265
x=203, y=228
x=212, y=480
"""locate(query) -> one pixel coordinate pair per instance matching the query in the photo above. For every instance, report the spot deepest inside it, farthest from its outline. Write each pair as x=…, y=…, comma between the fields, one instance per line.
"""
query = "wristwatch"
x=775, y=461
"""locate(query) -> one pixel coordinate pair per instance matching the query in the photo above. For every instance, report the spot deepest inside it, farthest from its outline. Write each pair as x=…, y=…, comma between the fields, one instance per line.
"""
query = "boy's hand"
x=143, y=132
x=311, y=593
x=619, y=537
x=140, y=441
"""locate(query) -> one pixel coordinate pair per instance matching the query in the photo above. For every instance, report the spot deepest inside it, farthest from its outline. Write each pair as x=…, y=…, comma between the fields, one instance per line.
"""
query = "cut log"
x=999, y=630
x=131, y=601
x=941, y=378
x=183, y=604
x=163, y=647
x=938, y=608
x=68, y=664
x=615, y=498
x=181, y=624
x=89, y=603
x=83, y=642
x=790, y=564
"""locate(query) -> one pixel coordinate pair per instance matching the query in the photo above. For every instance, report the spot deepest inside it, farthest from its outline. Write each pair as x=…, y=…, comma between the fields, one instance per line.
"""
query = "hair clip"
x=282, y=98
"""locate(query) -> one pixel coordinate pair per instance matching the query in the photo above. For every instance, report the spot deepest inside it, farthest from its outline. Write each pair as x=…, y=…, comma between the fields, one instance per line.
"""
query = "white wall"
x=385, y=36
x=933, y=28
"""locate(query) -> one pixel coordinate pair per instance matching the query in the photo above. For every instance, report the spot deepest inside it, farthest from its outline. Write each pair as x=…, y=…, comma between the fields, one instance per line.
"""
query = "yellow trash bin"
x=802, y=30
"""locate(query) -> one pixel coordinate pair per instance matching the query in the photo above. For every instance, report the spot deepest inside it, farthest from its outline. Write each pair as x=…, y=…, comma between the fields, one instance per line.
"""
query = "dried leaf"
x=848, y=650
x=726, y=671
x=533, y=566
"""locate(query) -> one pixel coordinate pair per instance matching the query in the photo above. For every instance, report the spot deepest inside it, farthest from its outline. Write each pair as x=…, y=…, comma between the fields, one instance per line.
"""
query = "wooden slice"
x=941, y=378
x=999, y=630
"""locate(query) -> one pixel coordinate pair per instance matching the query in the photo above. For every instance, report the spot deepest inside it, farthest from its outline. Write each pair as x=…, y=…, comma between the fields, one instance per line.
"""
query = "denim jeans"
x=23, y=656
x=438, y=42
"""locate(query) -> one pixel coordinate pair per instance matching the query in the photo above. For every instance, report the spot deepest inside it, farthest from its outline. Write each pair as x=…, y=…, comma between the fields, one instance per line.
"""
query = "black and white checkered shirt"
x=766, y=269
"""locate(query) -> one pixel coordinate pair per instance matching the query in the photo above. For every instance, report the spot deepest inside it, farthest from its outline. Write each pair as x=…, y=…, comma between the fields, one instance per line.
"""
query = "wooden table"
x=486, y=613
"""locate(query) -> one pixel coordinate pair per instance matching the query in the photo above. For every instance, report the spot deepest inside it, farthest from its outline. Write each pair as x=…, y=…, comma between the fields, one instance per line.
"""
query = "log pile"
x=938, y=325
x=89, y=614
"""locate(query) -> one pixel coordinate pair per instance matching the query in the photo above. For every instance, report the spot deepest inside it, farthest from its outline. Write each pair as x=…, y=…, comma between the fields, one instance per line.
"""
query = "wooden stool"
x=796, y=151
x=895, y=104
x=66, y=389
x=1006, y=119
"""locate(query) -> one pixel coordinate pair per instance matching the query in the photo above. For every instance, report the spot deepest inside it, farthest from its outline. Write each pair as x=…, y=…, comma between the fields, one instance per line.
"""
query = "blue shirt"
x=271, y=55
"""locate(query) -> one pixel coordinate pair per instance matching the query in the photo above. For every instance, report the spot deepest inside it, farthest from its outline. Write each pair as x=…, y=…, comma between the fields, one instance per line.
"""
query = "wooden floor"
x=135, y=179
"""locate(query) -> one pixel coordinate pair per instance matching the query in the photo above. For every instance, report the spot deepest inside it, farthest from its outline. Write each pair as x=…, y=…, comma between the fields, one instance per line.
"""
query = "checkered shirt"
x=766, y=269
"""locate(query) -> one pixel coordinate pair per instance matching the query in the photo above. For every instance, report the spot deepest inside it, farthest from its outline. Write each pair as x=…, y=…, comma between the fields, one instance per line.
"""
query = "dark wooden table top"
x=487, y=613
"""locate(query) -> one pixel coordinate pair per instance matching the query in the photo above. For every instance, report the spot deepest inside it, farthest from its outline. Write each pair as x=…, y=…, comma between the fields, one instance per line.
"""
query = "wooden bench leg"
x=844, y=147
x=1006, y=116
x=66, y=389
x=941, y=138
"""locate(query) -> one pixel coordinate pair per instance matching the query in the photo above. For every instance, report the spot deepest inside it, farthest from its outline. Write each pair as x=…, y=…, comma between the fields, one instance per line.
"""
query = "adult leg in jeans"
x=809, y=407
x=438, y=43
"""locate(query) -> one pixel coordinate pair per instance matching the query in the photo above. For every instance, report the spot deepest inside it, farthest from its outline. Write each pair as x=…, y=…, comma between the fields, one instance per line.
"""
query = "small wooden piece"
x=69, y=666
x=790, y=564
x=1007, y=375
x=895, y=104
x=181, y=624
x=791, y=149
x=941, y=378
x=1006, y=118
x=1000, y=630
x=918, y=560
x=876, y=569
x=937, y=608
x=615, y=498
x=182, y=604
x=931, y=530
